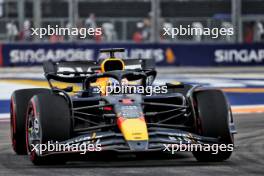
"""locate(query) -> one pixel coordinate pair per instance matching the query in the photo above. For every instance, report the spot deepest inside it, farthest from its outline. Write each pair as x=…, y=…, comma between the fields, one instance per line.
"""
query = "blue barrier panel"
x=4, y=106
x=165, y=54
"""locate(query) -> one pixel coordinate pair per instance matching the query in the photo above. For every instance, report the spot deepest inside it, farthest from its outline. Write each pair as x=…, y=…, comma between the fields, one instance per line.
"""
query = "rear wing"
x=50, y=67
x=89, y=67
x=142, y=64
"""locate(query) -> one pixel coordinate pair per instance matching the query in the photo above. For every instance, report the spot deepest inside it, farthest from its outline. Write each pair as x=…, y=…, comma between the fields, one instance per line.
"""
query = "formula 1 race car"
x=119, y=121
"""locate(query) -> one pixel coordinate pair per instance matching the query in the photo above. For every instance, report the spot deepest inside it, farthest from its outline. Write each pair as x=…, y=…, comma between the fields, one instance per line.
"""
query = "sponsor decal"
x=41, y=55
x=239, y=56
x=73, y=70
x=164, y=54
x=146, y=53
x=170, y=57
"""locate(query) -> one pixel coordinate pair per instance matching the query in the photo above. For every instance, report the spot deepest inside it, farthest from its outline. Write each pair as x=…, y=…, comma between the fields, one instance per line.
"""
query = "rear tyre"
x=213, y=121
x=18, y=110
x=48, y=120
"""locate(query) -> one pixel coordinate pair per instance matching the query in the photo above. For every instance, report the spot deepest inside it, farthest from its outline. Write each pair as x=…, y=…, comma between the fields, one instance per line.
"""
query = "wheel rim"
x=33, y=132
x=230, y=117
x=12, y=124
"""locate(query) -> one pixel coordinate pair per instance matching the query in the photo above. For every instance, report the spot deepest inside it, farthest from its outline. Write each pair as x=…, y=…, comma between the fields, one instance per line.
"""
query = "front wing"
x=159, y=138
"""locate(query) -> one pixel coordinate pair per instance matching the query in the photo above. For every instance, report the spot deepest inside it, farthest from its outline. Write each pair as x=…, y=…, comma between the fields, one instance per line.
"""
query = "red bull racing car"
x=113, y=120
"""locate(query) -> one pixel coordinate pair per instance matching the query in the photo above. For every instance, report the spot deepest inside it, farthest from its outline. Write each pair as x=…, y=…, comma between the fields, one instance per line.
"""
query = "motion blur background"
x=233, y=63
x=123, y=20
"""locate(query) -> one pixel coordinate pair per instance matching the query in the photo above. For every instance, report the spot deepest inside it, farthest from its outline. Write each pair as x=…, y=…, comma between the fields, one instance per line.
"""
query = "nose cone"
x=138, y=145
x=135, y=132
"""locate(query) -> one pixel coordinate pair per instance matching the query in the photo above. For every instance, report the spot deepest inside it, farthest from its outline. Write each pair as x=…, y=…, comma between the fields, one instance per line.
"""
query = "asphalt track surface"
x=247, y=159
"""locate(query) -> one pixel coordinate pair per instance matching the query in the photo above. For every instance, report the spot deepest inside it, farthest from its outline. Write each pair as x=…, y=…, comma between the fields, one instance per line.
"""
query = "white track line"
x=4, y=116
x=248, y=106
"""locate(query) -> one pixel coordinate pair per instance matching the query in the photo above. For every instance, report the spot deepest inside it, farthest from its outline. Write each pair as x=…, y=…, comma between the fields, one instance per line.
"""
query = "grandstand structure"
x=122, y=20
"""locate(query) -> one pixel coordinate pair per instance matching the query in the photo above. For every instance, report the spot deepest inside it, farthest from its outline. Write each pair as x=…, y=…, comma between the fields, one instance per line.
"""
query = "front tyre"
x=48, y=119
x=213, y=117
x=18, y=111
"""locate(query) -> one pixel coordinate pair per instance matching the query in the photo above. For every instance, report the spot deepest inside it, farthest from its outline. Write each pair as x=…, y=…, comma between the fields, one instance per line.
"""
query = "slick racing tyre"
x=48, y=120
x=213, y=116
x=18, y=110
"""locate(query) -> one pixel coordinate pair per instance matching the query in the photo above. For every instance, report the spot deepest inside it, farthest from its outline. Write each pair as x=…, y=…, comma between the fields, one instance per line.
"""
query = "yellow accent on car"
x=176, y=83
x=134, y=129
x=102, y=82
x=112, y=60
